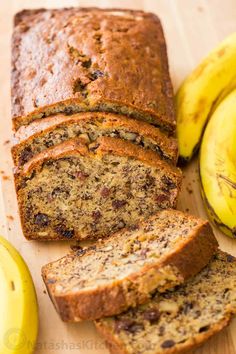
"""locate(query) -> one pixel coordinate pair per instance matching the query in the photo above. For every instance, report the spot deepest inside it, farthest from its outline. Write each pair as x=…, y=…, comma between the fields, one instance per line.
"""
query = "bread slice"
x=41, y=134
x=90, y=60
x=179, y=320
x=77, y=191
x=123, y=270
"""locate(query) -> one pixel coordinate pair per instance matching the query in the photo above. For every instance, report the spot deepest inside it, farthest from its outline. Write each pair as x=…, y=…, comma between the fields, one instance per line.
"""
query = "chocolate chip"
x=81, y=251
x=41, y=219
x=68, y=110
x=78, y=86
x=96, y=74
x=86, y=63
x=136, y=328
x=169, y=343
x=96, y=215
x=203, y=329
x=63, y=231
x=161, y=198
x=128, y=325
x=60, y=191
x=225, y=292
x=124, y=324
x=81, y=175
x=151, y=315
x=150, y=181
x=134, y=227
x=167, y=295
x=25, y=155
x=168, y=183
x=117, y=204
x=230, y=258
x=105, y=192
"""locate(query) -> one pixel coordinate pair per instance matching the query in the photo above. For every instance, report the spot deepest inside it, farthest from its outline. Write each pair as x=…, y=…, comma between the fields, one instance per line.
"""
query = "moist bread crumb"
x=94, y=190
x=41, y=134
x=126, y=268
x=179, y=320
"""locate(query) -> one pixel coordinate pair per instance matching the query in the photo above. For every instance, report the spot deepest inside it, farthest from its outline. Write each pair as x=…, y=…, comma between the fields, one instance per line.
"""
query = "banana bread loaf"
x=41, y=134
x=123, y=270
x=77, y=191
x=179, y=320
x=73, y=59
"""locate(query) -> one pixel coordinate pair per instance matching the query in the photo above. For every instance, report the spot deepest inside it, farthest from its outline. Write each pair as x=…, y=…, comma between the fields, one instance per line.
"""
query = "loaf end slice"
x=126, y=268
x=76, y=67
x=77, y=191
x=179, y=320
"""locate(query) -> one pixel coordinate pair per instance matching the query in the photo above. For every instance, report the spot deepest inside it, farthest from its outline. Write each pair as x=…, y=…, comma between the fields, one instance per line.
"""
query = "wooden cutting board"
x=192, y=28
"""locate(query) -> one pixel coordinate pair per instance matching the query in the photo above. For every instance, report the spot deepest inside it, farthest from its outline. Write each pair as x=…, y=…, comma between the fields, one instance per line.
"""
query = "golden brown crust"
x=117, y=347
x=26, y=134
x=186, y=261
x=113, y=344
x=96, y=73
x=201, y=247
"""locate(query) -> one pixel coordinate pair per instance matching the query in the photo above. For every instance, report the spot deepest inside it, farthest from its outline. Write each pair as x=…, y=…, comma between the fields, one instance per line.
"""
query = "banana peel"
x=18, y=303
x=203, y=88
x=218, y=165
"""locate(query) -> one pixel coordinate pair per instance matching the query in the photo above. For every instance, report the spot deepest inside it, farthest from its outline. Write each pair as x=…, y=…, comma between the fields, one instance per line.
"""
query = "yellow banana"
x=218, y=165
x=18, y=303
x=200, y=90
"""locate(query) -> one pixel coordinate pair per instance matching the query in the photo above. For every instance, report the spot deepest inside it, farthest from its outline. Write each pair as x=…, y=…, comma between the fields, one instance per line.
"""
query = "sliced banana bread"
x=41, y=134
x=90, y=59
x=77, y=191
x=177, y=321
x=123, y=270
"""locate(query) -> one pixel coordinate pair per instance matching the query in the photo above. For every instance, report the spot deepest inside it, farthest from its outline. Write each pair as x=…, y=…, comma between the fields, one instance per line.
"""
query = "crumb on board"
x=2, y=172
x=6, y=142
x=189, y=190
x=10, y=217
x=6, y=178
x=187, y=210
x=44, y=292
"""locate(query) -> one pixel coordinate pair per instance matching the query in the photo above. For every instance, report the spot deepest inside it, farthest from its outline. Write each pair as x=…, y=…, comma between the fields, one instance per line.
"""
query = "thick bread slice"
x=77, y=191
x=41, y=134
x=123, y=270
x=179, y=320
x=90, y=60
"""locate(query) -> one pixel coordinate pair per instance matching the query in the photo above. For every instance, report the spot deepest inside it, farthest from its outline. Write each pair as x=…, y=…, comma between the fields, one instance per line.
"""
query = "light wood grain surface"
x=192, y=28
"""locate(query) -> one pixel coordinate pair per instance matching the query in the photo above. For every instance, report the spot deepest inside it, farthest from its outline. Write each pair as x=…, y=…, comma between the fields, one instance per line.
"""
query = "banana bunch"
x=18, y=303
x=218, y=165
x=199, y=93
x=207, y=98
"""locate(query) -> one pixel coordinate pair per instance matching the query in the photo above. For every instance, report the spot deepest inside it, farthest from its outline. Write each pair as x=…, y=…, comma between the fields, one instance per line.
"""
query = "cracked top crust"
x=74, y=59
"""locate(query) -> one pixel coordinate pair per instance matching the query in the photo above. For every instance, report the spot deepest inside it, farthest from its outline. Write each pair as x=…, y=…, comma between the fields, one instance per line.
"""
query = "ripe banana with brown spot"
x=196, y=98
x=218, y=165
